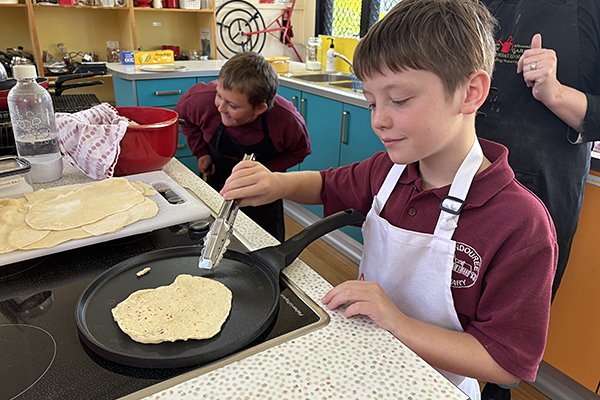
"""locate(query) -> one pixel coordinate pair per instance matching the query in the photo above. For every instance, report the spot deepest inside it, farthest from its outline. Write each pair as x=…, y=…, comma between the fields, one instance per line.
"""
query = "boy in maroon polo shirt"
x=242, y=114
x=459, y=257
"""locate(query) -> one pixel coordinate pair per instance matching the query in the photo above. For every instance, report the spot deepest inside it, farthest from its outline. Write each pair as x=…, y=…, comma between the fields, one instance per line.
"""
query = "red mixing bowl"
x=149, y=145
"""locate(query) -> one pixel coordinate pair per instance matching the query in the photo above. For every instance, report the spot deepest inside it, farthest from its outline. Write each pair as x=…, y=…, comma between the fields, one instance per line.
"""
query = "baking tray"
x=168, y=215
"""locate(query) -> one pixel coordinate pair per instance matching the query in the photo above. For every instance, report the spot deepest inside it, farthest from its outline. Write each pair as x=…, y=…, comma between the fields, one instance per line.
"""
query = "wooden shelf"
x=144, y=9
x=58, y=6
x=39, y=27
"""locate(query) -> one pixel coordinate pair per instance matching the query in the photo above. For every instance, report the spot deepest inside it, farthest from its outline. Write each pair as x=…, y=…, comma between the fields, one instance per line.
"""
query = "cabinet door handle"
x=181, y=146
x=167, y=93
x=302, y=106
x=295, y=101
x=344, y=117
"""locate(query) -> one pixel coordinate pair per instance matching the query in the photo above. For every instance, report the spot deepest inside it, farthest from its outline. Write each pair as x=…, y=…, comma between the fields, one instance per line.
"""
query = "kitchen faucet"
x=343, y=57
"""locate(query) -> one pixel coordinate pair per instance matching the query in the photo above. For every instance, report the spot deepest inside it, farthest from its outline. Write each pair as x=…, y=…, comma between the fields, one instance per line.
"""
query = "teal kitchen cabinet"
x=294, y=96
x=324, y=124
x=163, y=93
x=340, y=134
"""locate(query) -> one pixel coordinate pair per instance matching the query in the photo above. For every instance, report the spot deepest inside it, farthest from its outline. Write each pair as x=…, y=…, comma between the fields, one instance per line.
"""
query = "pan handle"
x=58, y=90
x=62, y=79
x=284, y=254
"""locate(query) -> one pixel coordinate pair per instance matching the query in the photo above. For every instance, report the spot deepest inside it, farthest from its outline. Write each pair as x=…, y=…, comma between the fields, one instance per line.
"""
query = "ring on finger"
x=533, y=66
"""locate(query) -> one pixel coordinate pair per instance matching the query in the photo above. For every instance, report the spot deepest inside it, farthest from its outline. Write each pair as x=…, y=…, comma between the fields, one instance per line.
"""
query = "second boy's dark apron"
x=225, y=153
x=539, y=152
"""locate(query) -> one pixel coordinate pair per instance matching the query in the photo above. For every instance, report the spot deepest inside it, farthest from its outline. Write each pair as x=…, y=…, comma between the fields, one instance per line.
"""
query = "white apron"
x=415, y=269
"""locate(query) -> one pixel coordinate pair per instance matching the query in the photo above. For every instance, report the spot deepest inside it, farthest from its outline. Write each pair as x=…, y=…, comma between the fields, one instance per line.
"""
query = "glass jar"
x=314, y=54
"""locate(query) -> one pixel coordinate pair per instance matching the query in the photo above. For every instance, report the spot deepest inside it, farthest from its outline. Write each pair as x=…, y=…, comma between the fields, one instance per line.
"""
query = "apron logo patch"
x=509, y=52
x=467, y=264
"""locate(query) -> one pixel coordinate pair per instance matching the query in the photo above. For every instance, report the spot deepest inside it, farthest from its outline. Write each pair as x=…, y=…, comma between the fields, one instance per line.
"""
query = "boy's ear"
x=261, y=108
x=477, y=88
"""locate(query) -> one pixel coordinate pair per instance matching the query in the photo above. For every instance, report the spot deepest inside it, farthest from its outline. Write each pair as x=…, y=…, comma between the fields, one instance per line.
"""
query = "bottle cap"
x=24, y=71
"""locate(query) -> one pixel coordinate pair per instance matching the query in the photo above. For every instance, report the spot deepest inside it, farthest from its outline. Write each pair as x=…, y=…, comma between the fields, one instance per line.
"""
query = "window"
x=349, y=18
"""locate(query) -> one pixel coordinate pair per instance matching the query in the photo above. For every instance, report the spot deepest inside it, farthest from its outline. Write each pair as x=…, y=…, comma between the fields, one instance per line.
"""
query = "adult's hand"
x=538, y=66
x=539, y=70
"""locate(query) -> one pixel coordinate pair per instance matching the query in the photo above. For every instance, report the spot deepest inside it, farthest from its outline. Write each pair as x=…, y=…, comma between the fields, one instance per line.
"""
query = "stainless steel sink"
x=344, y=85
x=323, y=77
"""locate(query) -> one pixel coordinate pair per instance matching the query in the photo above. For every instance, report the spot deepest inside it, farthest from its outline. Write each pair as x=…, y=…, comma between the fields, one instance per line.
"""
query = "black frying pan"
x=253, y=278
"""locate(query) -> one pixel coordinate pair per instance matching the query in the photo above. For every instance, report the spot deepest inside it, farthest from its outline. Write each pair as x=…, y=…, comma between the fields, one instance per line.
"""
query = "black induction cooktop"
x=43, y=356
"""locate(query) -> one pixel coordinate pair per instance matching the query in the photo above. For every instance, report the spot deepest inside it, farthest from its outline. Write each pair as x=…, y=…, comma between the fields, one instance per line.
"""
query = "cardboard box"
x=147, y=57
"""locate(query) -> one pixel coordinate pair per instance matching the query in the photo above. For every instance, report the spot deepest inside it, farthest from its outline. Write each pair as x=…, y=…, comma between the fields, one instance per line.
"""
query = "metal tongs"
x=217, y=239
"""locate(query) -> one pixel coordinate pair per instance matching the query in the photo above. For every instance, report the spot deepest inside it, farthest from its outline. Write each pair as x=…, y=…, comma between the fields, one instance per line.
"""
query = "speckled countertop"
x=347, y=359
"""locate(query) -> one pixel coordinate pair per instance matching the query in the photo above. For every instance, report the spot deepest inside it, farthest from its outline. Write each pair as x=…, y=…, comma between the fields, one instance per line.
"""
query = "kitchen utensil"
x=149, y=145
x=5, y=61
x=18, y=60
x=60, y=87
x=62, y=49
x=217, y=239
x=253, y=278
x=20, y=52
x=3, y=75
x=55, y=67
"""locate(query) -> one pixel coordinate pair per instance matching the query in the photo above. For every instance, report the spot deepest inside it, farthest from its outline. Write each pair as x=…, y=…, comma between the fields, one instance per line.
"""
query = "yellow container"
x=154, y=57
x=281, y=64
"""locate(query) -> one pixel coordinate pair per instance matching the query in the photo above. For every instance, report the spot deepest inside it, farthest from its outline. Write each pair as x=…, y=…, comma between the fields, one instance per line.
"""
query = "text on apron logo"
x=467, y=264
x=509, y=52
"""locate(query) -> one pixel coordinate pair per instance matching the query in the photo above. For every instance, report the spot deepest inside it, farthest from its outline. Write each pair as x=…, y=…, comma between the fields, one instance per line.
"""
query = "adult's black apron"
x=539, y=152
x=225, y=153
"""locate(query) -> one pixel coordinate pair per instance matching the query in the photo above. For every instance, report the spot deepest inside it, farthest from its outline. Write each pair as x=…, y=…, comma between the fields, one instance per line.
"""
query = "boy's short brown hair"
x=249, y=73
x=451, y=38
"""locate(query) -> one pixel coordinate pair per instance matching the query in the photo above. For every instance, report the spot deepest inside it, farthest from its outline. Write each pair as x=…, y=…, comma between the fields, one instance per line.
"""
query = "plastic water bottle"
x=34, y=125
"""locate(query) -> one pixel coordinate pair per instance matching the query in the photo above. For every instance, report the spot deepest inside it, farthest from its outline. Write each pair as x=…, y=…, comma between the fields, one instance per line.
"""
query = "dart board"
x=240, y=28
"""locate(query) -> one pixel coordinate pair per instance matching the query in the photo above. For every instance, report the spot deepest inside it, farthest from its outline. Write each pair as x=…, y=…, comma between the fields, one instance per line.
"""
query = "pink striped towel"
x=90, y=139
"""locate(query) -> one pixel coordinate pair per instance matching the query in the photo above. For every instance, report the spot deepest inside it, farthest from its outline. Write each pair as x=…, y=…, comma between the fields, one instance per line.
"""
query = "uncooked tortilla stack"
x=48, y=217
x=192, y=307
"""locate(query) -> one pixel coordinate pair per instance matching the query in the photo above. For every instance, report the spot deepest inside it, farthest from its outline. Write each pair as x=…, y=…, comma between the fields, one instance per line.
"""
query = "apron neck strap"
x=452, y=204
x=388, y=185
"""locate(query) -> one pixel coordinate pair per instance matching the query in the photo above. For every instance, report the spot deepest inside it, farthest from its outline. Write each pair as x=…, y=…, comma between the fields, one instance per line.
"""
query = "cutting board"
x=168, y=215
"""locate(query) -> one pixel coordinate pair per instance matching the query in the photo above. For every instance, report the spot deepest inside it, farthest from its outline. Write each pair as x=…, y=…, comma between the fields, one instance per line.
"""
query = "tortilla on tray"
x=48, y=217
